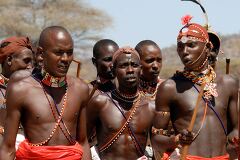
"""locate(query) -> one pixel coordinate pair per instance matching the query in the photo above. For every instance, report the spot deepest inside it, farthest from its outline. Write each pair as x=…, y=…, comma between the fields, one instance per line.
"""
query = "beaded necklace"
x=149, y=89
x=58, y=118
x=52, y=81
x=127, y=98
x=121, y=130
x=207, y=77
x=3, y=80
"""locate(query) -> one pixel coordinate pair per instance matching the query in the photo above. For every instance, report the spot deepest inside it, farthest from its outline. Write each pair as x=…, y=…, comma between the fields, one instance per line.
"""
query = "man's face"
x=151, y=61
x=128, y=70
x=58, y=54
x=192, y=53
x=104, y=62
x=21, y=60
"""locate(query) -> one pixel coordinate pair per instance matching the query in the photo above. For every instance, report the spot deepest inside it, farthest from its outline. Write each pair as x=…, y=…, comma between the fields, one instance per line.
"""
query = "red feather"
x=186, y=19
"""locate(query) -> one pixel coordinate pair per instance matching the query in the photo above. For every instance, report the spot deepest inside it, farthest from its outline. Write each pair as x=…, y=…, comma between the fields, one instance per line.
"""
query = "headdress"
x=124, y=50
x=193, y=31
x=213, y=37
x=13, y=44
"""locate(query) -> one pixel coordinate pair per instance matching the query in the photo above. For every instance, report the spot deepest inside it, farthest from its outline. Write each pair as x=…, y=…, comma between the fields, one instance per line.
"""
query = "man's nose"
x=130, y=69
x=185, y=50
x=155, y=65
x=64, y=56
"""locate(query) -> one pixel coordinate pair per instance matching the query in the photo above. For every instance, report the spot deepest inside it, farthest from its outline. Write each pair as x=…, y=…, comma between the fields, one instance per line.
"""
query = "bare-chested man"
x=102, y=59
x=15, y=54
x=122, y=117
x=49, y=105
x=151, y=62
x=177, y=96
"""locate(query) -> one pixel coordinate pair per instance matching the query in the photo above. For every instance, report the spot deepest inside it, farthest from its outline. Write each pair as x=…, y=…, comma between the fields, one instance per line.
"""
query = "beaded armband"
x=159, y=131
x=1, y=130
x=163, y=113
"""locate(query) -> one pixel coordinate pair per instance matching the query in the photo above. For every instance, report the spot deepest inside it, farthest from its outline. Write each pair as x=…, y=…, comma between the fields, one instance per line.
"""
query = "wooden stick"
x=78, y=67
x=227, y=65
x=190, y=128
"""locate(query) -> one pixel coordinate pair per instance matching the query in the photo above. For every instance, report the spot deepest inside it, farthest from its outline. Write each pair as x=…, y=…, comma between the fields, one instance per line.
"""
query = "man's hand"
x=233, y=147
x=185, y=137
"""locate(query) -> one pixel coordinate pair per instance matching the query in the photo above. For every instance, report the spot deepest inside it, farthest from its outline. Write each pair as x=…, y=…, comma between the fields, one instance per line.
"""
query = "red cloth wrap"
x=166, y=156
x=194, y=30
x=224, y=157
x=27, y=152
x=15, y=44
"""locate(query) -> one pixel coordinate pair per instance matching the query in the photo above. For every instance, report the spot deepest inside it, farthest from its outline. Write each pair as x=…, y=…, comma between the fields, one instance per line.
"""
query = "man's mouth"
x=131, y=78
x=64, y=68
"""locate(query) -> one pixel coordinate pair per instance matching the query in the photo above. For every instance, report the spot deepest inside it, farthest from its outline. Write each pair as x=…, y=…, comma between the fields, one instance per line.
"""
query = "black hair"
x=100, y=43
x=139, y=46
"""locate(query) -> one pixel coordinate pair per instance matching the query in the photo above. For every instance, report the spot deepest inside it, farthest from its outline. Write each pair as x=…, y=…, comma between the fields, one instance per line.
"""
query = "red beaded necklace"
x=52, y=81
x=3, y=80
x=149, y=89
x=58, y=118
x=206, y=77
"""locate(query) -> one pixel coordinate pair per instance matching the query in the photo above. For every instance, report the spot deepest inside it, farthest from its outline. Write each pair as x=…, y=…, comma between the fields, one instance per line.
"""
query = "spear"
x=190, y=128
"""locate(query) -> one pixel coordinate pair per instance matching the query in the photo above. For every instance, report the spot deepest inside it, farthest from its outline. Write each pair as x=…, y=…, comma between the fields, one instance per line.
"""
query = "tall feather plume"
x=203, y=9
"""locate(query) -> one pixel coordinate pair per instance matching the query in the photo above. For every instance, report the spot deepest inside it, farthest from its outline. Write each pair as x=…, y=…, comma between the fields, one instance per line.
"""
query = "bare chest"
x=44, y=108
x=115, y=117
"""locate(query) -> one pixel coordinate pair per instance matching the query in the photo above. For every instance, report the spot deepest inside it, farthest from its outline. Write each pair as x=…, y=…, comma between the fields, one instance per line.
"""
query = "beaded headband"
x=125, y=50
x=192, y=31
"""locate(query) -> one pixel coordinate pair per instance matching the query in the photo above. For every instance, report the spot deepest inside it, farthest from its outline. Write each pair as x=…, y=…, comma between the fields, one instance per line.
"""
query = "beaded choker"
x=53, y=81
x=126, y=97
x=206, y=77
x=3, y=80
x=149, y=89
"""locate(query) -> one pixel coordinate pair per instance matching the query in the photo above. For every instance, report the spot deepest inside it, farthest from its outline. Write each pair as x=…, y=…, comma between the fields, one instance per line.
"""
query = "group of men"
x=127, y=107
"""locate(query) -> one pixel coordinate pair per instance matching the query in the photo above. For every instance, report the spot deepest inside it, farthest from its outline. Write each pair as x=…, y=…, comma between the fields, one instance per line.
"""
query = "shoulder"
x=228, y=80
x=21, y=74
x=77, y=82
x=99, y=100
x=167, y=85
x=166, y=92
x=20, y=87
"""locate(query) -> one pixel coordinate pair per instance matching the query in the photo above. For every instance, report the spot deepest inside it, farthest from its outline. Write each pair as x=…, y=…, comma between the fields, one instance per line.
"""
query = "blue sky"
x=160, y=20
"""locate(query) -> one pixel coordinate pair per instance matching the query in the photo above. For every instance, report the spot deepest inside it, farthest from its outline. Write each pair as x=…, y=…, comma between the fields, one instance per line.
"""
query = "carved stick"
x=190, y=128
